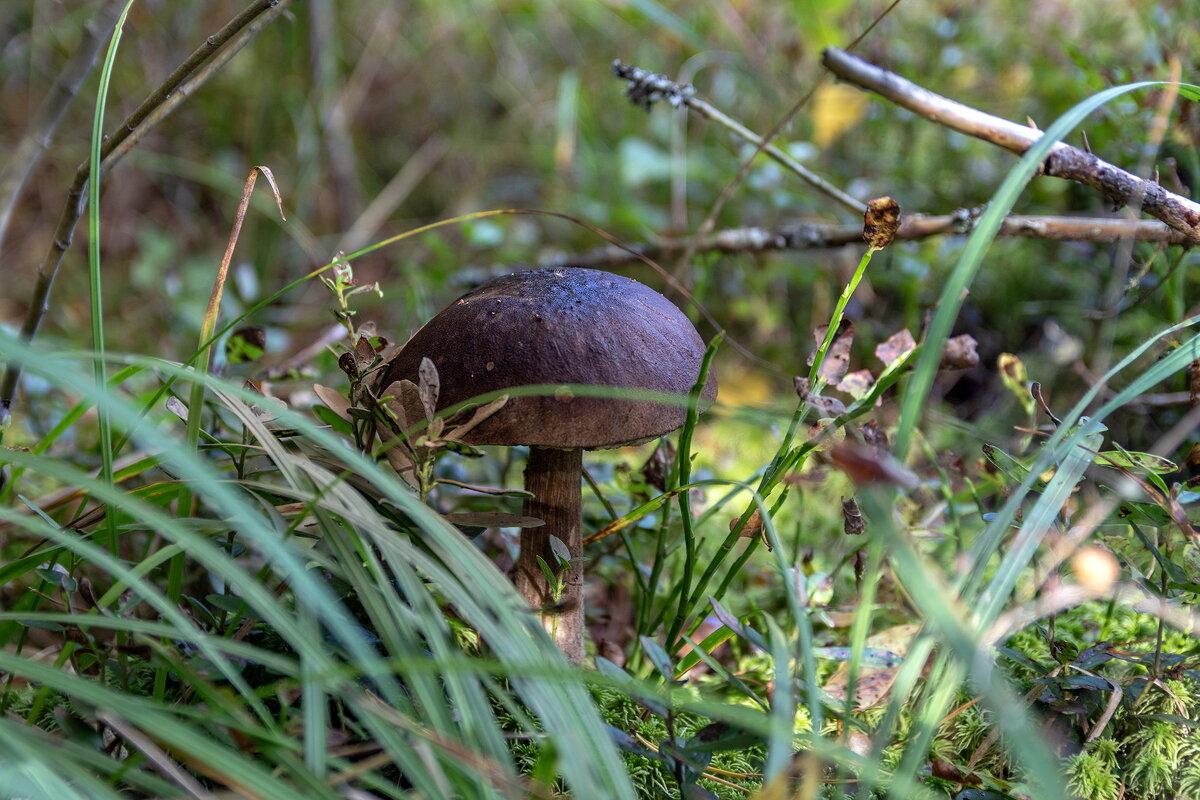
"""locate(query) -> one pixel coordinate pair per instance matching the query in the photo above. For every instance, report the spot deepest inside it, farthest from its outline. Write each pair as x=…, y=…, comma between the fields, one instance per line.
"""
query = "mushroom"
x=560, y=327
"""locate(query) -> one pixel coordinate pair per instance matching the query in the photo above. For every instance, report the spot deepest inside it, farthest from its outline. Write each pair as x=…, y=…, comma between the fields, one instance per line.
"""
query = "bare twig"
x=180, y=84
x=28, y=152
x=1064, y=161
x=816, y=236
x=644, y=87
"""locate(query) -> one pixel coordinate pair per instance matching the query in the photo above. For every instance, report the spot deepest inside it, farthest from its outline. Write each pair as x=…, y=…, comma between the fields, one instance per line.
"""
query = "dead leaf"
x=897, y=346
x=481, y=414
x=857, y=384
x=960, y=352
x=875, y=436
x=391, y=398
x=753, y=529
x=826, y=406
x=837, y=357
x=654, y=471
x=400, y=461
x=876, y=674
x=364, y=354
x=429, y=387
x=176, y=407
x=334, y=399
x=853, y=521
x=881, y=222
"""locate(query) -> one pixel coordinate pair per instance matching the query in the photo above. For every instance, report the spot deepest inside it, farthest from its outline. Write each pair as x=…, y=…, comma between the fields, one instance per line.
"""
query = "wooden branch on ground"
x=1063, y=161
x=816, y=236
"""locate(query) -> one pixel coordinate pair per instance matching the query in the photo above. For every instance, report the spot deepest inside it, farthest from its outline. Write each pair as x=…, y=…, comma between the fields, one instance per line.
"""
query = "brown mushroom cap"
x=561, y=326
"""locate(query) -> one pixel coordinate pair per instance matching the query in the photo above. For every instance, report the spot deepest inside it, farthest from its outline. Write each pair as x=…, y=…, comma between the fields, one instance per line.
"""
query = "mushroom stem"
x=554, y=479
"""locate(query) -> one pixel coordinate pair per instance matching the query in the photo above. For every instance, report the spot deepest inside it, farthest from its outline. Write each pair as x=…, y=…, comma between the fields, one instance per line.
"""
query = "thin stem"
x=95, y=278
x=554, y=479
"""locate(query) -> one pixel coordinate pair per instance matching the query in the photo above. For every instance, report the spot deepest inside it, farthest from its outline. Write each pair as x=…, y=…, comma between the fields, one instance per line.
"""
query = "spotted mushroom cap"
x=561, y=326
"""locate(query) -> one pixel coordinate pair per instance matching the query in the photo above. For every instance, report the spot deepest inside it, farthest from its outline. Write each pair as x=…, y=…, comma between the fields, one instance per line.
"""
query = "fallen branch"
x=178, y=86
x=816, y=236
x=1064, y=161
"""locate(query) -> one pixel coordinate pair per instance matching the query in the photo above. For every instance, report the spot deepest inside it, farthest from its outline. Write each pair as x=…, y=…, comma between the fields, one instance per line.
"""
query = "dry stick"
x=28, y=152
x=814, y=236
x=1063, y=161
x=710, y=221
x=177, y=87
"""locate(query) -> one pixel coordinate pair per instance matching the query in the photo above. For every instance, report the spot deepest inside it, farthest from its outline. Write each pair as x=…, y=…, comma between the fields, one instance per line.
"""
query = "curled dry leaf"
x=825, y=406
x=334, y=399
x=176, y=407
x=853, y=521
x=403, y=399
x=960, y=352
x=837, y=357
x=753, y=528
x=391, y=401
x=897, y=346
x=348, y=364
x=881, y=222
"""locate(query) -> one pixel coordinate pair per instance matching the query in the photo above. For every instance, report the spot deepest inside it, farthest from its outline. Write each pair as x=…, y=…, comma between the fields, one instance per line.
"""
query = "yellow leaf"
x=836, y=109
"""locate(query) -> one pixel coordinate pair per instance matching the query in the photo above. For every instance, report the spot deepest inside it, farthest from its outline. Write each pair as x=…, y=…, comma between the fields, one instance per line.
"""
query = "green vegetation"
x=935, y=539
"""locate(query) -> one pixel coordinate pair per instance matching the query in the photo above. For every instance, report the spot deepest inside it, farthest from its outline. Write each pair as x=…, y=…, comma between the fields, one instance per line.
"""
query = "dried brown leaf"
x=825, y=406
x=481, y=414
x=853, y=521
x=881, y=222
x=837, y=358
x=429, y=387
x=897, y=346
x=753, y=528
x=960, y=352
x=334, y=399
x=875, y=680
x=857, y=384
x=364, y=354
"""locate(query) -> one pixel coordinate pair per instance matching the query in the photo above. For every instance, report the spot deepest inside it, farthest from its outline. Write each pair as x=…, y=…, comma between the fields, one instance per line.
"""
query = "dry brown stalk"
x=1063, y=161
